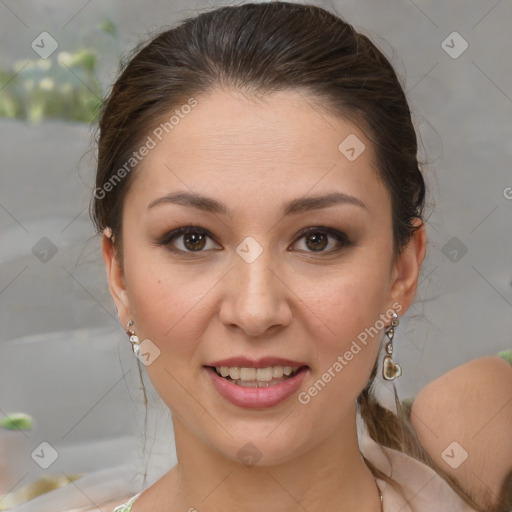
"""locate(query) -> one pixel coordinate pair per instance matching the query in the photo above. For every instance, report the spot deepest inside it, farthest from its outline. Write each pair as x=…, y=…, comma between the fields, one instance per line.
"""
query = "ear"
x=115, y=275
x=407, y=267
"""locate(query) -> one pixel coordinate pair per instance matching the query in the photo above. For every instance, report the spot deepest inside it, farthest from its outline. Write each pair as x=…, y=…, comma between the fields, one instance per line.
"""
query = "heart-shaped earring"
x=390, y=369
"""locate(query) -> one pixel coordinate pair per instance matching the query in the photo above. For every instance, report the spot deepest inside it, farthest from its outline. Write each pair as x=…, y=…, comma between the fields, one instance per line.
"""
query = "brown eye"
x=317, y=239
x=192, y=239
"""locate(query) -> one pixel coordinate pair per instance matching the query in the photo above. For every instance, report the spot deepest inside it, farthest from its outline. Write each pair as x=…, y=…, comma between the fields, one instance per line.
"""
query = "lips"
x=263, y=392
x=257, y=397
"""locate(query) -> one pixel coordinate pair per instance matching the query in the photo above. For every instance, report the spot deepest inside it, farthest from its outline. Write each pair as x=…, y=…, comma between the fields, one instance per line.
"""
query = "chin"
x=262, y=449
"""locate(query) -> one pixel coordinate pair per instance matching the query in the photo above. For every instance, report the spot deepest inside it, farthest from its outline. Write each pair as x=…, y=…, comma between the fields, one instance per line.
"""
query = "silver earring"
x=134, y=339
x=390, y=369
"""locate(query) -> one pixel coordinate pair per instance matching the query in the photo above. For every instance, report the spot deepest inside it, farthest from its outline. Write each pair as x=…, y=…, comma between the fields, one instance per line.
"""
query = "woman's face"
x=244, y=282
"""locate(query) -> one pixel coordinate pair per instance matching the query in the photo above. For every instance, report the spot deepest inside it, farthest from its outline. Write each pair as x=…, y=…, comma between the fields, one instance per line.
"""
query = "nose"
x=257, y=297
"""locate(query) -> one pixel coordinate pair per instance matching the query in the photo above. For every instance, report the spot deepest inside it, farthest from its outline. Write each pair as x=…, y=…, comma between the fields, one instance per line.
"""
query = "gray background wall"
x=64, y=357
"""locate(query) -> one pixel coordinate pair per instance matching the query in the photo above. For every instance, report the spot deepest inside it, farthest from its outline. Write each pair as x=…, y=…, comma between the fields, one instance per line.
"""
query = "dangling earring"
x=390, y=369
x=134, y=339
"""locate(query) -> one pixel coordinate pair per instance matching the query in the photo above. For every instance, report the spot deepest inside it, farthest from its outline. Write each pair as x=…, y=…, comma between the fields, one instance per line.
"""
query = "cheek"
x=347, y=355
x=167, y=303
x=168, y=308
x=354, y=301
x=171, y=303
x=352, y=309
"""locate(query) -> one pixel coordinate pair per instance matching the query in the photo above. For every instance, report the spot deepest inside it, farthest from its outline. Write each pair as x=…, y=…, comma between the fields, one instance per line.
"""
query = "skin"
x=441, y=415
x=292, y=301
x=472, y=406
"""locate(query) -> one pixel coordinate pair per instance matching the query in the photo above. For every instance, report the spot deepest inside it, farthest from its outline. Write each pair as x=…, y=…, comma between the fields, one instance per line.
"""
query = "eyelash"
x=340, y=237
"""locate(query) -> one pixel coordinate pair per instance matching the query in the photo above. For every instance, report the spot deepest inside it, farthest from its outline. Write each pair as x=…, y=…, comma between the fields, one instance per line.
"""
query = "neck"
x=331, y=475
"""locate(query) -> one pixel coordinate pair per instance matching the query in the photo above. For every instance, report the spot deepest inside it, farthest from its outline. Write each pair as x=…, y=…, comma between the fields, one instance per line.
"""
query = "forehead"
x=279, y=144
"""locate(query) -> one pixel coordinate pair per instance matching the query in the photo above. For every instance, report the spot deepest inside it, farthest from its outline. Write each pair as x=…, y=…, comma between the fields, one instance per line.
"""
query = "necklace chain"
x=381, y=498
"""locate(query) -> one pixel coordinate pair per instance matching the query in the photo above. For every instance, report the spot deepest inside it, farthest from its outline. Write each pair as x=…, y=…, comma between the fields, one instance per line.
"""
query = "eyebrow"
x=293, y=207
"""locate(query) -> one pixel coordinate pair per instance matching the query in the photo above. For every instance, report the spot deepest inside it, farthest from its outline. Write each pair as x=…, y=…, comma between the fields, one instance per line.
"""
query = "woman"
x=261, y=203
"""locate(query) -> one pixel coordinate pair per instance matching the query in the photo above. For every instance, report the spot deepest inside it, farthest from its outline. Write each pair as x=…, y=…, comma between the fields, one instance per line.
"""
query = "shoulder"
x=464, y=421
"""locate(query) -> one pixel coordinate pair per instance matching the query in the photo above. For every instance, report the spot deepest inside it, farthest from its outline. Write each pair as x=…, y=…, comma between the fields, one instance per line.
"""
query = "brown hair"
x=259, y=49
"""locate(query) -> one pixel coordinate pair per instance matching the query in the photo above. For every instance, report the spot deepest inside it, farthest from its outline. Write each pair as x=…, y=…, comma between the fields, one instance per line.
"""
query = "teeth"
x=256, y=374
x=277, y=371
x=264, y=374
x=246, y=374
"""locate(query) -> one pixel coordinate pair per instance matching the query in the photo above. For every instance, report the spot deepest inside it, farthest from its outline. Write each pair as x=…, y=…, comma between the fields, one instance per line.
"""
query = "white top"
x=424, y=489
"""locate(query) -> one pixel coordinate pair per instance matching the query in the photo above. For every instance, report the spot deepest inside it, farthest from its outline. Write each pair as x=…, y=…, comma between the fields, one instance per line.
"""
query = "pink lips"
x=253, y=397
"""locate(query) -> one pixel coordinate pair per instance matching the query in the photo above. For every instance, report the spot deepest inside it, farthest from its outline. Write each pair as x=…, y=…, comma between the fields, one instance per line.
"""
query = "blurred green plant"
x=64, y=86
x=17, y=421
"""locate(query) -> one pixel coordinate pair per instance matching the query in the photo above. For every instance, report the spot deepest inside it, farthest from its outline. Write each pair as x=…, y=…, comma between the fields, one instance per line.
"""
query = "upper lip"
x=264, y=362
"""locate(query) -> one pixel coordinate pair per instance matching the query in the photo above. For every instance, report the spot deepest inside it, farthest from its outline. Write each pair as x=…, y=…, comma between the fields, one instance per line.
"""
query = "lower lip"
x=257, y=397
